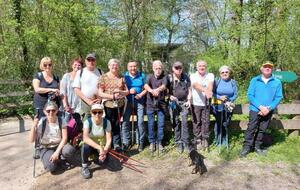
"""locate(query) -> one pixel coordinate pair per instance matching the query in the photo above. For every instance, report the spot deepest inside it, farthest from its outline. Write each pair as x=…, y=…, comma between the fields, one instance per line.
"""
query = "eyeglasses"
x=178, y=67
x=48, y=111
x=224, y=72
x=48, y=65
x=91, y=60
x=97, y=112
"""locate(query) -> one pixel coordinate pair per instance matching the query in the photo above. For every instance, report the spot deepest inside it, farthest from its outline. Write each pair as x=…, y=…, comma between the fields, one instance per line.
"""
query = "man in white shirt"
x=202, y=85
x=86, y=86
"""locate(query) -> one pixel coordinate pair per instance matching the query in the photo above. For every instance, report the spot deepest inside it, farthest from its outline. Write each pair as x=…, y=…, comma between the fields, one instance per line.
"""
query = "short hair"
x=157, y=62
x=78, y=59
x=224, y=67
x=51, y=104
x=44, y=60
x=113, y=60
x=201, y=61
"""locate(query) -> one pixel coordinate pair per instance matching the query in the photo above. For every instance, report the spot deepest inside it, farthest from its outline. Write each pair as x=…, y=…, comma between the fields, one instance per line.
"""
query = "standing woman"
x=225, y=93
x=113, y=90
x=70, y=99
x=46, y=86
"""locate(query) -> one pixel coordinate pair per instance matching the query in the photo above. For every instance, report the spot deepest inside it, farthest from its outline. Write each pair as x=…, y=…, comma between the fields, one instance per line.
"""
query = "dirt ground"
x=166, y=172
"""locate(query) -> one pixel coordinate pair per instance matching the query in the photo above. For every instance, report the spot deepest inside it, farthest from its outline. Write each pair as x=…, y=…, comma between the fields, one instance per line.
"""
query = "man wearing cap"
x=180, y=97
x=135, y=82
x=86, y=86
x=202, y=85
x=264, y=94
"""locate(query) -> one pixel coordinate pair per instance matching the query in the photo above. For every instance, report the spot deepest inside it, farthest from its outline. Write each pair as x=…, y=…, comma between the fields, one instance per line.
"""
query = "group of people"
x=106, y=103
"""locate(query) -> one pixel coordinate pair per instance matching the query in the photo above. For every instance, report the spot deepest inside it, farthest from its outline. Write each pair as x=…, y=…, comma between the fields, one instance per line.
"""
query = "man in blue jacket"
x=264, y=94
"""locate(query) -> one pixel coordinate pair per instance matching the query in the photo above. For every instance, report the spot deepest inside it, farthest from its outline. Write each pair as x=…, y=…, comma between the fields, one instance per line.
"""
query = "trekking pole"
x=226, y=129
x=124, y=162
x=132, y=121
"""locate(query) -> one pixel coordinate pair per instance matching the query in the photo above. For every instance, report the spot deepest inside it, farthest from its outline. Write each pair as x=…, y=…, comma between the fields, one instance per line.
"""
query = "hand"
x=54, y=157
x=116, y=91
x=173, y=98
x=102, y=156
x=68, y=109
x=155, y=92
x=55, y=91
x=223, y=98
x=97, y=100
x=208, y=94
x=138, y=96
x=132, y=91
x=264, y=110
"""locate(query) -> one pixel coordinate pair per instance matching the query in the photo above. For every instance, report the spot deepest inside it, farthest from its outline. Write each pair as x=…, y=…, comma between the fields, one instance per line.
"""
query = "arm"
x=32, y=133
x=235, y=91
x=277, y=98
x=89, y=141
x=38, y=89
x=82, y=96
x=251, y=95
x=108, y=141
x=63, y=91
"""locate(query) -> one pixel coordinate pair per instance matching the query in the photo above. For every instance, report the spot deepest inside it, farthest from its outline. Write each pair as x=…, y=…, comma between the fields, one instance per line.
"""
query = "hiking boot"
x=244, y=152
x=118, y=148
x=126, y=147
x=179, y=148
x=160, y=147
x=141, y=147
x=199, y=146
x=85, y=172
x=205, y=144
x=260, y=152
x=152, y=147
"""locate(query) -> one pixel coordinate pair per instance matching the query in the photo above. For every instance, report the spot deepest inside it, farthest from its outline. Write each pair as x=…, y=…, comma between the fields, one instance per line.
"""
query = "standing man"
x=180, y=97
x=202, y=86
x=135, y=82
x=264, y=94
x=86, y=86
x=156, y=86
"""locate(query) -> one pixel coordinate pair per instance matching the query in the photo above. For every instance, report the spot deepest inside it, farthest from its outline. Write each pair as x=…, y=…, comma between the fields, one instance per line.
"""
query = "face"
x=177, y=70
x=47, y=66
x=90, y=63
x=225, y=74
x=266, y=70
x=157, y=69
x=201, y=67
x=132, y=68
x=113, y=67
x=76, y=66
x=50, y=112
x=97, y=115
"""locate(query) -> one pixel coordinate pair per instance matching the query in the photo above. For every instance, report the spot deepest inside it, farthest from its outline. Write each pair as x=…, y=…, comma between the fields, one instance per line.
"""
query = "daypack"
x=41, y=131
x=74, y=126
x=105, y=121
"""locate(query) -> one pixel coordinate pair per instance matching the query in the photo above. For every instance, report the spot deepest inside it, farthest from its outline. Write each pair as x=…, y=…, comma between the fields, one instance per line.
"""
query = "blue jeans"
x=160, y=125
x=126, y=127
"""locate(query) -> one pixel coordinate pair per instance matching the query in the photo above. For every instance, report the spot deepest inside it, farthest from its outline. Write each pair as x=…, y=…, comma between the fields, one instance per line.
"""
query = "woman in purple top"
x=225, y=92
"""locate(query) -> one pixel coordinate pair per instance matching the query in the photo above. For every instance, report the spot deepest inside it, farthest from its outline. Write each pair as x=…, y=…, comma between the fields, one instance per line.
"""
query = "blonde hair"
x=111, y=61
x=45, y=60
x=157, y=62
x=201, y=61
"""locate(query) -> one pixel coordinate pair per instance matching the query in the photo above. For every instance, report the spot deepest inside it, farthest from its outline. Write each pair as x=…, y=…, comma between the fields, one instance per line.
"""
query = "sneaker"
x=117, y=148
x=126, y=147
x=141, y=147
x=160, y=147
x=260, y=152
x=199, y=146
x=152, y=147
x=85, y=172
x=179, y=148
x=244, y=152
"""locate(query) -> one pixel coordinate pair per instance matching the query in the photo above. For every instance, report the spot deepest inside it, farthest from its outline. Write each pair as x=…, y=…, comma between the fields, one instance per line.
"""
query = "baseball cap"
x=97, y=107
x=90, y=55
x=177, y=64
x=267, y=63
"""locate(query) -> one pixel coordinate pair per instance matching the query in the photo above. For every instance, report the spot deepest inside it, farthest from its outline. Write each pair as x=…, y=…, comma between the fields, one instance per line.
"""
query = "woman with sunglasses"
x=50, y=132
x=96, y=137
x=46, y=86
x=225, y=93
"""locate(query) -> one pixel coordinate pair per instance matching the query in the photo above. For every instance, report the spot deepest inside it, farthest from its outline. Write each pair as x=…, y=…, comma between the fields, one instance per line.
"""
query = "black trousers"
x=200, y=117
x=256, y=128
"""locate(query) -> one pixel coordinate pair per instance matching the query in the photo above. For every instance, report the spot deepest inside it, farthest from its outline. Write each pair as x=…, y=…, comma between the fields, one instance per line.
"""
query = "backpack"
x=40, y=132
x=172, y=81
x=105, y=121
x=81, y=71
x=74, y=126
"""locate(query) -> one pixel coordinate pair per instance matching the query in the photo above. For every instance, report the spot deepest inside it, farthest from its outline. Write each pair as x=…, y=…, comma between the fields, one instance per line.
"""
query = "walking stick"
x=226, y=129
x=115, y=103
x=132, y=121
x=221, y=128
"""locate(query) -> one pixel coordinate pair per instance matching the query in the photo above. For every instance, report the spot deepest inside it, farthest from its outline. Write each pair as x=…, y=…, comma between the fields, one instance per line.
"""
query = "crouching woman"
x=50, y=135
x=97, y=138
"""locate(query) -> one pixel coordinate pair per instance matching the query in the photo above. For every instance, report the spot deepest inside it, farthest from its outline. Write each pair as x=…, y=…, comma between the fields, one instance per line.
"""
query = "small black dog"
x=197, y=161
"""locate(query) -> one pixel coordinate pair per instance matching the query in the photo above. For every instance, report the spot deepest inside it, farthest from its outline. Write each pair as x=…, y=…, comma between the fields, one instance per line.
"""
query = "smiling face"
x=266, y=71
x=225, y=74
x=50, y=112
x=132, y=68
x=201, y=67
x=157, y=68
x=76, y=66
x=97, y=115
x=113, y=67
x=90, y=63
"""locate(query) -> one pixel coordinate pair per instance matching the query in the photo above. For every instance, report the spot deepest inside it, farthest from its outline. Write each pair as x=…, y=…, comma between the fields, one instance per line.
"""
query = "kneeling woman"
x=96, y=137
x=50, y=133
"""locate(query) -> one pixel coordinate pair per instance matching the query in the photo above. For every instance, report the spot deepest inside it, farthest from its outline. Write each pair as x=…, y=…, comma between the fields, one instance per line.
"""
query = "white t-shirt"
x=52, y=134
x=97, y=132
x=88, y=84
x=199, y=98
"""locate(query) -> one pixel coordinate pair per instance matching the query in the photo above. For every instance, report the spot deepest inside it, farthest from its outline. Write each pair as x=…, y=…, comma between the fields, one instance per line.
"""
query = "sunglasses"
x=48, y=111
x=91, y=60
x=177, y=67
x=97, y=112
x=48, y=65
x=224, y=72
